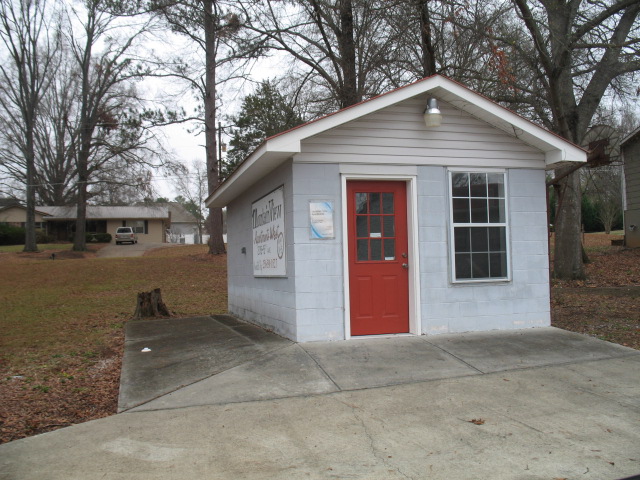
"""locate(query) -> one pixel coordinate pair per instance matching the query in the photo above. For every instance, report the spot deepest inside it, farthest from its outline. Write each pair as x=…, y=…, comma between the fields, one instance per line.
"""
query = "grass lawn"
x=41, y=247
x=62, y=327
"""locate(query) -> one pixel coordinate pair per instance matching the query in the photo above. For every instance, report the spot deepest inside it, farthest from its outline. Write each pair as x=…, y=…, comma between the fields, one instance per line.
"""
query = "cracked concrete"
x=547, y=404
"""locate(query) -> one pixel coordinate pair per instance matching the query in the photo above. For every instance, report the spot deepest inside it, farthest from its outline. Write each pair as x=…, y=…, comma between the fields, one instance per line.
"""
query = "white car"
x=126, y=234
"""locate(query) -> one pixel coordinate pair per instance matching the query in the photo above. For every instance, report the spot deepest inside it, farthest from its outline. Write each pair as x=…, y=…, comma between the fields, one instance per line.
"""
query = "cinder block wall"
x=522, y=302
x=269, y=302
x=319, y=281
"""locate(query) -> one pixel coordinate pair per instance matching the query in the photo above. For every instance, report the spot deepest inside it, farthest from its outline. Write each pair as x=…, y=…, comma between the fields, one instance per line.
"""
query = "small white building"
x=368, y=222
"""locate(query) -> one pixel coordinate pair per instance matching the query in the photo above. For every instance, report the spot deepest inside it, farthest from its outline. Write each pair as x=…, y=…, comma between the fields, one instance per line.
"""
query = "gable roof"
x=107, y=212
x=278, y=148
x=22, y=207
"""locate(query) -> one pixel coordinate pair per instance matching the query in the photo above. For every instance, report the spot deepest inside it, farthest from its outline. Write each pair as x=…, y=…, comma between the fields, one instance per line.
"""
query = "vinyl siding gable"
x=397, y=135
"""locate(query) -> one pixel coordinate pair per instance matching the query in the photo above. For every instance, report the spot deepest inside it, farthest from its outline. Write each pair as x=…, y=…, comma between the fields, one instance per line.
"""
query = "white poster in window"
x=267, y=218
x=321, y=220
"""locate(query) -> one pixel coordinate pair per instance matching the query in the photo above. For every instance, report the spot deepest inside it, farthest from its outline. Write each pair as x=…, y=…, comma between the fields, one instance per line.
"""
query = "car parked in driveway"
x=126, y=234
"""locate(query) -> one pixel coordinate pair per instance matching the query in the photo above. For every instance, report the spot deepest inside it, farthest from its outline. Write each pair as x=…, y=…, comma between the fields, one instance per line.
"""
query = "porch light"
x=432, y=115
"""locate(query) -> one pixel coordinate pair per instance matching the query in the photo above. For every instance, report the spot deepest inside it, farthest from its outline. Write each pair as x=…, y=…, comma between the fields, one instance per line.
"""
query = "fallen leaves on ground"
x=476, y=421
x=63, y=327
x=607, y=304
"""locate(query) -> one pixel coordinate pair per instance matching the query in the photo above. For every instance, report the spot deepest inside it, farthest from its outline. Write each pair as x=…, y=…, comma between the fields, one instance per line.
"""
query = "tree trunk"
x=428, y=52
x=567, y=262
x=150, y=304
x=346, y=46
x=216, y=242
x=80, y=236
x=30, y=225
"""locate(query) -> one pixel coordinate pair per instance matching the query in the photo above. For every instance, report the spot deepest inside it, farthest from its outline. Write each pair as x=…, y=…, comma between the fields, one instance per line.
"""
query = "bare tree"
x=104, y=130
x=191, y=185
x=606, y=189
x=341, y=48
x=212, y=25
x=576, y=54
x=26, y=31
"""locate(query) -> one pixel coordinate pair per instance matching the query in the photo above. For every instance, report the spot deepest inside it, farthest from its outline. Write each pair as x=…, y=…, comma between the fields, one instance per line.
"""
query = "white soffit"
x=277, y=149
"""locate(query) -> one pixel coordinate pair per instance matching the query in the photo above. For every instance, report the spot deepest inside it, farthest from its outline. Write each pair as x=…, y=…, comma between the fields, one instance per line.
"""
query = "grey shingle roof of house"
x=104, y=213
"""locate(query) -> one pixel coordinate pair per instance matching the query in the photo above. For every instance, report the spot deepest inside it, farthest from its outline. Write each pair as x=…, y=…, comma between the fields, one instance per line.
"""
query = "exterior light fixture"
x=432, y=115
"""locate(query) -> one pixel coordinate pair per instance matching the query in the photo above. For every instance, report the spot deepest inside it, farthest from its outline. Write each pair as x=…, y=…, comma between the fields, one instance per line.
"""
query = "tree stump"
x=150, y=304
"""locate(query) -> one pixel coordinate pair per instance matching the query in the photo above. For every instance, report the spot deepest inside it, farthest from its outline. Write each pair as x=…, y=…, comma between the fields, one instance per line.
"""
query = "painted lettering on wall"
x=267, y=218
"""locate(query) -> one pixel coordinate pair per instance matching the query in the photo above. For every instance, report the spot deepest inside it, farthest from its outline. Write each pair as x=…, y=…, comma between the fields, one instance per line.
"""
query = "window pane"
x=374, y=203
x=361, y=226
x=389, y=249
x=480, y=265
x=375, y=227
x=498, y=265
x=389, y=226
x=479, y=240
x=478, y=210
x=361, y=203
x=497, y=239
x=376, y=249
x=496, y=211
x=495, y=184
x=387, y=203
x=461, y=212
x=478, y=184
x=460, y=185
x=462, y=239
x=363, y=250
x=463, y=266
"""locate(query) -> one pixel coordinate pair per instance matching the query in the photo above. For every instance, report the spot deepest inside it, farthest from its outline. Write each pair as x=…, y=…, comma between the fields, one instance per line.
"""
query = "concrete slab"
x=287, y=372
x=384, y=361
x=500, y=350
x=536, y=423
x=184, y=351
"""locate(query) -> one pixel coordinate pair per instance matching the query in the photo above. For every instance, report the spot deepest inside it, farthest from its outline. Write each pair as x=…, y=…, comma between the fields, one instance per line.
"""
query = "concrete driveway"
x=215, y=398
x=130, y=250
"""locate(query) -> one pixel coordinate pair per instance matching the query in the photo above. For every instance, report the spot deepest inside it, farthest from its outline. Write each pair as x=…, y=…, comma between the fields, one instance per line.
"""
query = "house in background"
x=630, y=148
x=184, y=226
x=149, y=222
x=15, y=214
x=420, y=211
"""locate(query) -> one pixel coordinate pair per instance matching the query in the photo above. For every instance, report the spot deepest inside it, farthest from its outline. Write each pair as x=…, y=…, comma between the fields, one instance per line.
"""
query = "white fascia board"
x=256, y=166
x=277, y=149
x=281, y=147
x=556, y=148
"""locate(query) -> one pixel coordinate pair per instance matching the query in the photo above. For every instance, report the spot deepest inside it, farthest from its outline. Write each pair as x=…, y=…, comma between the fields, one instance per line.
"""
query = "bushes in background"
x=98, y=238
x=10, y=235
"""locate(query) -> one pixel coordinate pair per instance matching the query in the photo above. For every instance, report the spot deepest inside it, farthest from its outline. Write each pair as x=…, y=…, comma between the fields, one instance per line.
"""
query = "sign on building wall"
x=267, y=217
x=321, y=220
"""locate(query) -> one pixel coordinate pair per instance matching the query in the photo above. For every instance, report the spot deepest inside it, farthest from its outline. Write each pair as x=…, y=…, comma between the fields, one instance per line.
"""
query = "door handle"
x=405, y=265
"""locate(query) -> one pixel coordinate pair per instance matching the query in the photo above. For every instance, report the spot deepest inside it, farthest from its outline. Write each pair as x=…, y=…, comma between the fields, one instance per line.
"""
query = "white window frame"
x=452, y=225
x=135, y=225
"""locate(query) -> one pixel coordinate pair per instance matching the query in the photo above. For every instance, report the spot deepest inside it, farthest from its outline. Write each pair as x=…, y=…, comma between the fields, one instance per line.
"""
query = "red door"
x=378, y=257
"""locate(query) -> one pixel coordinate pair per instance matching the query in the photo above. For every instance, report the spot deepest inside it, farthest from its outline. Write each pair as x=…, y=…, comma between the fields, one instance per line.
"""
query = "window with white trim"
x=479, y=226
x=139, y=226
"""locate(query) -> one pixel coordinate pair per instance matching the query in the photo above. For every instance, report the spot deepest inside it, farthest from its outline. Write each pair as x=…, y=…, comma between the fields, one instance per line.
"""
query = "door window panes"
x=375, y=226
